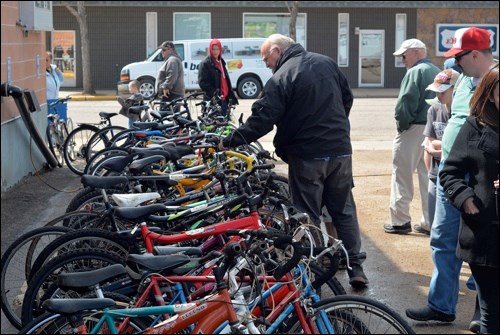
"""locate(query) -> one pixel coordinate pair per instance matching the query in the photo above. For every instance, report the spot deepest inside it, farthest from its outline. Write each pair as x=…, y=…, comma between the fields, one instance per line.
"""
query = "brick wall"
x=427, y=19
x=22, y=48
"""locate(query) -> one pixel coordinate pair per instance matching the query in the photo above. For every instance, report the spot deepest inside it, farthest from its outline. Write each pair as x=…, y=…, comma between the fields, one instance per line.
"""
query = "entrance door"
x=63, y=53
x=371, y=58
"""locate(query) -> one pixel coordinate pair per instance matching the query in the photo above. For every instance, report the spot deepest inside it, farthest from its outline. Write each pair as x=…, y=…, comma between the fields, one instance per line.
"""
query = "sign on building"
x=446, y=31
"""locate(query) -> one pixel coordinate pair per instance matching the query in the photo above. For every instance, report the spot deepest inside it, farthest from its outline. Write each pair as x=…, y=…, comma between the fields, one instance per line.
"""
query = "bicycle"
x=75, y=146
x=292, y=304
x=251, y=221
x=58, y=130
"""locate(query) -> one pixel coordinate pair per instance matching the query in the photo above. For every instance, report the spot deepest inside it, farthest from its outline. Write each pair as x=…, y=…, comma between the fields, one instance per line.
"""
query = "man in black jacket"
x=309, y=100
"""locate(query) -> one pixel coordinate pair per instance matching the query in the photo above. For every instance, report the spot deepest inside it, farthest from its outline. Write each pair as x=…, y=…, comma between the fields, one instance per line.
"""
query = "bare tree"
x=81, y=17
x=293, y=19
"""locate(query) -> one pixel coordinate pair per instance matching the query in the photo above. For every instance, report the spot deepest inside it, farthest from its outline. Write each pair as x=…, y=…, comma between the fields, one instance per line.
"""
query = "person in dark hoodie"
x=213, y=77
x=309, y=100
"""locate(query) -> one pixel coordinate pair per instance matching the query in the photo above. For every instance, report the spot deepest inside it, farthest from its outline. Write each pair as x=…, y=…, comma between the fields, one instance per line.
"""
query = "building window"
x=192, y=26
x=400, y=37
x=151, y=33
x=264, y=24
x=343, y=40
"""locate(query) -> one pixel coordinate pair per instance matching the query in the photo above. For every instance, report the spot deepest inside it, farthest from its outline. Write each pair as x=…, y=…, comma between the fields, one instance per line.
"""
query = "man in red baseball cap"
x=468, y=39
x=472, y=52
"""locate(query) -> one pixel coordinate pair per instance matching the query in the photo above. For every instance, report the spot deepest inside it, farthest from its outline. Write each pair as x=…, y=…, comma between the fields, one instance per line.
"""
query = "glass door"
x=371, y=58
x=63, y=51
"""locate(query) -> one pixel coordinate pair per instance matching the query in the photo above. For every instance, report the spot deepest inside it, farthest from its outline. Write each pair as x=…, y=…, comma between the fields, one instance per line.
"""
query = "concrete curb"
x=108, y=95
x=93, y=97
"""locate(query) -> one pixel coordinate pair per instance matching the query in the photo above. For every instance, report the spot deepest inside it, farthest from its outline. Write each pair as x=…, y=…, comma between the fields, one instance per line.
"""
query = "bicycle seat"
x=107, y=115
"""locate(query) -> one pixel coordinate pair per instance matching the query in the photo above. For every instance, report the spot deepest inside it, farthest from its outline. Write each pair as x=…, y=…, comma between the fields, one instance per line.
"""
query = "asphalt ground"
x=398, y=267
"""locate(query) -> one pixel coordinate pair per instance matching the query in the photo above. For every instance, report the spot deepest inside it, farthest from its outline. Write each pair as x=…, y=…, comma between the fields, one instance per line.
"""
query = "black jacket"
x=474, y=153
x=308, y=99
x=209, y=78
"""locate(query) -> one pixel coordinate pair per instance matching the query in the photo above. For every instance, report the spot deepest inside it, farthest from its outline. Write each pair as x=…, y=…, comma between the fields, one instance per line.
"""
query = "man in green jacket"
x=407, y=155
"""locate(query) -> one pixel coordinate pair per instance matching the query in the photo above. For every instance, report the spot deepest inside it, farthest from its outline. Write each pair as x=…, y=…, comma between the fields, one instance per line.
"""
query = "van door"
x=180, y=48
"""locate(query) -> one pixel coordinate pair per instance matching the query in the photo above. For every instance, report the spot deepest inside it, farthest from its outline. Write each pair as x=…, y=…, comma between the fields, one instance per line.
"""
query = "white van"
x=246, y=69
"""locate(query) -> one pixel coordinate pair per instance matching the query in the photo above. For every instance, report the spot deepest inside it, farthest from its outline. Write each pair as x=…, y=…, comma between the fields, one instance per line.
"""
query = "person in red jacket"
x=213, y=77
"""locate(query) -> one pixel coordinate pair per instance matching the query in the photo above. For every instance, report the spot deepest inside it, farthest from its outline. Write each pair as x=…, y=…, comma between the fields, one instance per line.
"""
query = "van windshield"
x=158, y=57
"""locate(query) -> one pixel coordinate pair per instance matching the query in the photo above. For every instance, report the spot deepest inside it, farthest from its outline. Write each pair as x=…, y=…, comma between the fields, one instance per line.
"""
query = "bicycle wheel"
x=16, y=265
x=91, y=199
x=44, y=284
x=103, y=154
x=123, y=139
x=83, y=239
x=359, y=315
x=53, y=140
x=75, y=147
x=101, y=138
x=49, y=323
x=69, y=126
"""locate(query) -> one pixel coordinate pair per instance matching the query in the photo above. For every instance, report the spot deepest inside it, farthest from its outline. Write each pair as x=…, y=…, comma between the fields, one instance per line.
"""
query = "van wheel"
x=249, y=88
x=147, y=88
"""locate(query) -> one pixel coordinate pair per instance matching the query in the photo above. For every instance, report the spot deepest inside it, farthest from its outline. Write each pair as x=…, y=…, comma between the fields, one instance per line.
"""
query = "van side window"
x=159, y=58
x=180, y=50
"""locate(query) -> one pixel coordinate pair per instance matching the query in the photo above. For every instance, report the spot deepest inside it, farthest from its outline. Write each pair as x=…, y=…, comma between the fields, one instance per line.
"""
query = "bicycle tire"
x=16, y=266
x=91, y=199
x=123, y=139
x=376, y=317
x=75, y=147
x=75, y=220
x=52, y=139
x=49, y=323
x=69, y=126
x=100, y=140
x=83, y=239
x=44, y=284
x=105, y=153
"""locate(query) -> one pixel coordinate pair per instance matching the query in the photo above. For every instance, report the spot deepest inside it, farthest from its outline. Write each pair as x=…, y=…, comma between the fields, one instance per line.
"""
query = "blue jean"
x=443, y=289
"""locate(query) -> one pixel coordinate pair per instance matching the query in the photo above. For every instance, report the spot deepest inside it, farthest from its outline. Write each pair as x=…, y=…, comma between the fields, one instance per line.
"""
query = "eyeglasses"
x=404, y=55
x=268, y=55
x=459, y=57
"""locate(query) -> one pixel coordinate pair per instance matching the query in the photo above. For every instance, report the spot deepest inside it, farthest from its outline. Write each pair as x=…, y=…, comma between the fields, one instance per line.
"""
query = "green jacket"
x=411, y=107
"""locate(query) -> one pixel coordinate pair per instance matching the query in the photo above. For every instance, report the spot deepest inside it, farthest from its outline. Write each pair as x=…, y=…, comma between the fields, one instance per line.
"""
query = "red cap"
x=469, y=39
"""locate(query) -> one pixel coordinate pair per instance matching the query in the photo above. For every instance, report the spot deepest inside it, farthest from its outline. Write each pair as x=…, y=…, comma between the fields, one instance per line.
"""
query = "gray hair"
x=280, y=40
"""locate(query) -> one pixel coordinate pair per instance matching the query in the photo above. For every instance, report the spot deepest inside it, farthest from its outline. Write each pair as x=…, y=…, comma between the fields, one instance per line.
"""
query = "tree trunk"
x=81, y=16
x=293, y=19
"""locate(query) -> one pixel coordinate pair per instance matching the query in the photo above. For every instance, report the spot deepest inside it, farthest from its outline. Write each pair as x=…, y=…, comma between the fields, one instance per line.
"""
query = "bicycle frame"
x=212, y=312
x=252, y=221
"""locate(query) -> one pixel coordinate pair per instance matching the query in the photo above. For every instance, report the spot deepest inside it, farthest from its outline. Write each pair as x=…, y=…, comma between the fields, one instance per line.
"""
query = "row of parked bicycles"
x=172, y=235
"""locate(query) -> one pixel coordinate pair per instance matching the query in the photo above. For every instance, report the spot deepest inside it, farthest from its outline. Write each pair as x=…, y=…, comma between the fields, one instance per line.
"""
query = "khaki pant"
x=407, y=155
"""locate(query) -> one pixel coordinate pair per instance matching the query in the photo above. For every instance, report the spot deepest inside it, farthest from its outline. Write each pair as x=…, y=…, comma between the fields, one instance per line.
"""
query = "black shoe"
x=419, y=229
x=475, y=323
x=475, y=326
x=403, y=229
x=428, y=314
x=357, y=277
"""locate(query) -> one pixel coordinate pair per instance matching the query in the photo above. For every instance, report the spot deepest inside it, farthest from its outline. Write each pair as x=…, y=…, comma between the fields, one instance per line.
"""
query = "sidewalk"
x=104, y=95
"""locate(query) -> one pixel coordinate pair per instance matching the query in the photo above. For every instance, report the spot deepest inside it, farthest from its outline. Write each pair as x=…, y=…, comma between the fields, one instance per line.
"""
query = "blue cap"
x=450, y=64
